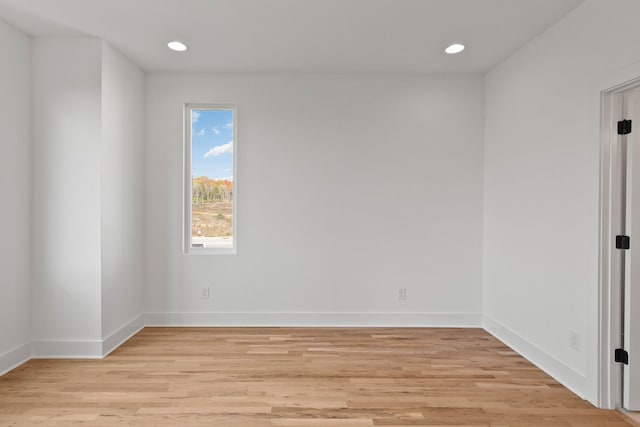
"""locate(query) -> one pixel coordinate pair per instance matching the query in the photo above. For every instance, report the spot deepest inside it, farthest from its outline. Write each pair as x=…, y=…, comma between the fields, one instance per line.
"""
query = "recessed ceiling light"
x=454, y=48
x=177, y=46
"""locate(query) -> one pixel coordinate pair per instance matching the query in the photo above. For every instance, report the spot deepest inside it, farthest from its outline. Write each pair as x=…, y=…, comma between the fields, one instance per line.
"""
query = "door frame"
x=609, y=378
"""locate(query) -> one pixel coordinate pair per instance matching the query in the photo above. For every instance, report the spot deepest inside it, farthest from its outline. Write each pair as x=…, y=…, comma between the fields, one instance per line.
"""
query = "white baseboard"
x=86, y=349
x=15, y=357
x=568, y=377
x=316, y=319
x=120, y=336
x=69, y=349
x=97, y=349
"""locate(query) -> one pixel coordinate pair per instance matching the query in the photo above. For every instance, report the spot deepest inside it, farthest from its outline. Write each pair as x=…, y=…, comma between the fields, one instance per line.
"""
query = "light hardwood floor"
x=249, y=377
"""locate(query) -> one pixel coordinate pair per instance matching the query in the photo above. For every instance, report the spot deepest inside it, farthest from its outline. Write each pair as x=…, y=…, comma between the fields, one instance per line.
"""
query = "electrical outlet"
x=204, y=292
x=574, y=340
x=402, y=294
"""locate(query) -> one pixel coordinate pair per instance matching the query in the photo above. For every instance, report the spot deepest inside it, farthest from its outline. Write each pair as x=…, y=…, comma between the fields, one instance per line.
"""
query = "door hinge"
x=621, y=356
x=624, y=127
x=623, y=242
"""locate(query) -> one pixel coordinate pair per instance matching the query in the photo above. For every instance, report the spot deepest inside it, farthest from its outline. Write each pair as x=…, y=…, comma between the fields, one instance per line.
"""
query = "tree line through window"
x=212, y=210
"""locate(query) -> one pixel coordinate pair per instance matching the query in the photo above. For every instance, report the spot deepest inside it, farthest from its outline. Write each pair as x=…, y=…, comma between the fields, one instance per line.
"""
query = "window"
x=210, y=172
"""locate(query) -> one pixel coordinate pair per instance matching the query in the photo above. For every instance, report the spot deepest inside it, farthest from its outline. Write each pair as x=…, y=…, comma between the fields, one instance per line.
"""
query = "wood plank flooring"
x=302, y=377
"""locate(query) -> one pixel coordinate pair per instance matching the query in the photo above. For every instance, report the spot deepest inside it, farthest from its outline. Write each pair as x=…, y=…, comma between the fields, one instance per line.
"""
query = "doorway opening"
x=619, y=333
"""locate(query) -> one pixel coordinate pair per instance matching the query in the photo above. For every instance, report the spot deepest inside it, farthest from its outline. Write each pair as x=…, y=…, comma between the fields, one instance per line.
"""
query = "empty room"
x=320, y=213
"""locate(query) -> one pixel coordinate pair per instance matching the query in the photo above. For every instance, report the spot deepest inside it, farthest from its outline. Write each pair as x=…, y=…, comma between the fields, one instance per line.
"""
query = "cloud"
x=195, y=116
x=227, y=170
x=229, y=125
x=220, y=149
x=216, y=131
x=200, y=133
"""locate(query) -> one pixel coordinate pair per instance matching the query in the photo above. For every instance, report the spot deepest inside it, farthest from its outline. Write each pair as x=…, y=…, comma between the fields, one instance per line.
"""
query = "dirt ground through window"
x=212, y=219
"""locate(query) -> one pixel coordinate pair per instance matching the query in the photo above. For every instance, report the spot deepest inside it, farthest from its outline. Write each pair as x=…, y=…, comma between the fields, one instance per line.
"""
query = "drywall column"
x=66, y=197
x=15, y=187
x=122, y=197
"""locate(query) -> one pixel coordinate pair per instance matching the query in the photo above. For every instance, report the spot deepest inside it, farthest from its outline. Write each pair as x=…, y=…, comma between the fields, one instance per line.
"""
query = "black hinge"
x=621, y=356
x=624, y=127
x=623, y=242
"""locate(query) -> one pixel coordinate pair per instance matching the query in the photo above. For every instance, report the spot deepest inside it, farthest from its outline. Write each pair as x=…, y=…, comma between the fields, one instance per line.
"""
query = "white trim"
x=567, y=376
x=609, y=373
x=187, y=174
x=603, y=309
x=86, y=349
x=324, y=319
x=122, y=335
x=15, y=357
x=67, y=349
x=96, y=349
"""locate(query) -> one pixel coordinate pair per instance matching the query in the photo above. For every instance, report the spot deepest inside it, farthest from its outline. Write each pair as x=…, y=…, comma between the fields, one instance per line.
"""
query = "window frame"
x=188, y=249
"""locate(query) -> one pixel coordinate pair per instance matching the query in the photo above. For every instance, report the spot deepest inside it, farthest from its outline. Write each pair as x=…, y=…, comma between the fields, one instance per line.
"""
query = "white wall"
x=541, y=187
x=66, y=198
x=15, y=187
x=349, y=187
x=122, y=193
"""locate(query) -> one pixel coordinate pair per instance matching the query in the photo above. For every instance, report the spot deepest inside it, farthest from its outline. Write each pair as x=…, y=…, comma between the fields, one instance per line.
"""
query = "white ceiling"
x=365, y=36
